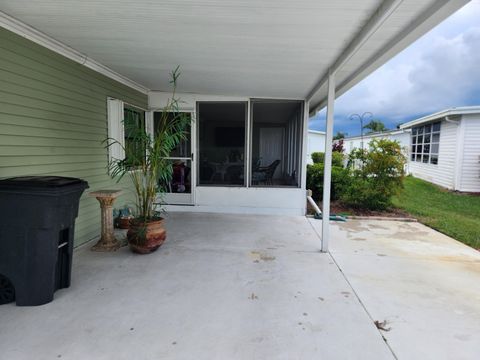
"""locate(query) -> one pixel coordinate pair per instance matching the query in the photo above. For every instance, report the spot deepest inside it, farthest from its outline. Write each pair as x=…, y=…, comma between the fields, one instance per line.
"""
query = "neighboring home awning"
x=448, y=113
x=267, y=48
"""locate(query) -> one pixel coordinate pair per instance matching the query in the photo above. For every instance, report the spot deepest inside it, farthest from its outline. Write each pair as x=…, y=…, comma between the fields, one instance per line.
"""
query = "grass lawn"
x=456, y=215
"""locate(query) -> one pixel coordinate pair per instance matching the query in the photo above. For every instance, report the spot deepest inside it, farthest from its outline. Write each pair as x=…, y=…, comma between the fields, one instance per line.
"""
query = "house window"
x=134, y=128
x=425, y=143
x=123, y=121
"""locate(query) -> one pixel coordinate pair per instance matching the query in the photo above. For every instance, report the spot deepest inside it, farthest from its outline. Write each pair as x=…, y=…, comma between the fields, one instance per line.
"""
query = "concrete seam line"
x=362, y=304
x=381, y=218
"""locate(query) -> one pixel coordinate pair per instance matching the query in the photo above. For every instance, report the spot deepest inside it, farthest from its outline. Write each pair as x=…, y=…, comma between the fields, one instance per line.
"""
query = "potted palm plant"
x=146, y=164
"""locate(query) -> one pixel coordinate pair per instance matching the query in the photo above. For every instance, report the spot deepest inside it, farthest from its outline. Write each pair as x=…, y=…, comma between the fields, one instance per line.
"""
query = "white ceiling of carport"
x=258, y=48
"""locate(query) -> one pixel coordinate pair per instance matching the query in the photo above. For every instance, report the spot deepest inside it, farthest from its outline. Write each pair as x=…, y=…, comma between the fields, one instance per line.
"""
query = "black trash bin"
x=37, y=219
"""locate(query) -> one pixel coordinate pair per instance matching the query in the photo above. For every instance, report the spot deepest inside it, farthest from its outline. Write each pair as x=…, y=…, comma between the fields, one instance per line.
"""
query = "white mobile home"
x=315, y=143
x=445, y=148
x=357, y=142
x=251, y=74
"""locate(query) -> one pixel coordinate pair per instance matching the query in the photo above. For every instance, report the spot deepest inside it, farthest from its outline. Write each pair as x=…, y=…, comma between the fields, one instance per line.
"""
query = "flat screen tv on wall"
x=230, y=136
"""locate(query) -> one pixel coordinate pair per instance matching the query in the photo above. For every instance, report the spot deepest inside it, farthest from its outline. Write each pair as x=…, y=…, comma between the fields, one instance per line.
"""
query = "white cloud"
x=440, y=70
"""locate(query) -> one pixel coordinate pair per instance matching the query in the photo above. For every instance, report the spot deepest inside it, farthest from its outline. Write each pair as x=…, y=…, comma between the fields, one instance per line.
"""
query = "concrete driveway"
x=256, y=287
x=425, y=284
x=222, y=287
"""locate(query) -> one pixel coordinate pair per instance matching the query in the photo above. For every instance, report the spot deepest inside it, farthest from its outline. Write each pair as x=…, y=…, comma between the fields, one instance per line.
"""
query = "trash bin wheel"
x=7, y=291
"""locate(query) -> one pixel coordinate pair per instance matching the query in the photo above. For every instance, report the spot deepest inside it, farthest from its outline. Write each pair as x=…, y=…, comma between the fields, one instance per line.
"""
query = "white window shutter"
x=116, y=132
x=149, y=123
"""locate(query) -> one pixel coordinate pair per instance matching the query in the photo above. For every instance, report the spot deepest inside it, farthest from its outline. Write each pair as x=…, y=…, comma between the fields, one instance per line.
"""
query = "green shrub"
x=362, y=193
x=340, y=180
x=377, y=177
x=337, y=158
x=318, y=157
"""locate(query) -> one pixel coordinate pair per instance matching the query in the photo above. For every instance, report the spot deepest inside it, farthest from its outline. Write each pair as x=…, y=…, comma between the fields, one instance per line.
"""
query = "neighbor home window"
x=425, y=143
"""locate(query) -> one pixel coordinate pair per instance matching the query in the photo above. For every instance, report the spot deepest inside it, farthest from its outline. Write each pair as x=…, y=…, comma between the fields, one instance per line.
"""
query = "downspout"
x=409, y=149
x=313, y=204
x=457, y=173
x=452, y=121
x=318, y=212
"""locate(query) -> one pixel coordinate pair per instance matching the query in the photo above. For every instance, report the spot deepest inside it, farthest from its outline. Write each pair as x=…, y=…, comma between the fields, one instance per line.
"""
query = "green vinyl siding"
x=53, y=118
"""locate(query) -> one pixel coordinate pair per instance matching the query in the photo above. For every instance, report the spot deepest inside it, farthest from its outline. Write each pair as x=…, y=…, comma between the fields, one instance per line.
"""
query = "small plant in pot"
x=146, y=164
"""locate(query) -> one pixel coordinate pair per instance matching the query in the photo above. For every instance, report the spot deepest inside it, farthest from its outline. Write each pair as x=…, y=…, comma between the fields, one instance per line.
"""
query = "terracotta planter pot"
x=124, y=222
x=146, y=237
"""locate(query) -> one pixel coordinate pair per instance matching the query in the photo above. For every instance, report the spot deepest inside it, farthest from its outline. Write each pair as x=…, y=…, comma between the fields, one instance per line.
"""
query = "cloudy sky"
x=439, y=71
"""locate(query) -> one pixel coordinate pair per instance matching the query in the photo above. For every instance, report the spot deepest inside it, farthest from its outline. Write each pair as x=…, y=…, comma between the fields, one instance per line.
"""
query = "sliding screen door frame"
x=246, y=152
x=295, y=141
x=178, y=198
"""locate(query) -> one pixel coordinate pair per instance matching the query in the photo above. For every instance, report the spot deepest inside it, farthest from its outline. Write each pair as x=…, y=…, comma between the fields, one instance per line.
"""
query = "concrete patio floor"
x=425, y=284
x=256, y=287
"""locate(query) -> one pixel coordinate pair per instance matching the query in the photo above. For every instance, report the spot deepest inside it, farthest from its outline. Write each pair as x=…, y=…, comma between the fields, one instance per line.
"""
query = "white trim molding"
x=149, y=127
x=38, y=37
x=116, y=132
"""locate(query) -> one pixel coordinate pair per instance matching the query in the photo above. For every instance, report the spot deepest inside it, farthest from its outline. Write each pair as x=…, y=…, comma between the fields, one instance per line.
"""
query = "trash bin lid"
x=40, y=181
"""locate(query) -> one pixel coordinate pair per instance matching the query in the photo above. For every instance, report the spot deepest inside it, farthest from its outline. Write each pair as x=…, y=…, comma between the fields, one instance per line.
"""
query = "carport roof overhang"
x=268, y=48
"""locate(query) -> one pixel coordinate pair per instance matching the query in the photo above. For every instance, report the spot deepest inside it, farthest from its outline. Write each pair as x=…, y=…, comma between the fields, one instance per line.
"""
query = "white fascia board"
x=378, y=134
x=434, y=15
x=382, y=13
x=188, y=101
x=40, y=38
x=441, y=114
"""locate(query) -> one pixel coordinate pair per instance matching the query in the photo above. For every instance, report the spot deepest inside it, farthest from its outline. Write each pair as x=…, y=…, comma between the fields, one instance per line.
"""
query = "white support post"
x=304, y=143
x=248, y=148
x=327, y=174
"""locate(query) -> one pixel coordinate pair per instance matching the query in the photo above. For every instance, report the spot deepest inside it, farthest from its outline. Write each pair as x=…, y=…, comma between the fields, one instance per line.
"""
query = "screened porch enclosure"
x=276, y=143
x=222, y=143
x=260, y=148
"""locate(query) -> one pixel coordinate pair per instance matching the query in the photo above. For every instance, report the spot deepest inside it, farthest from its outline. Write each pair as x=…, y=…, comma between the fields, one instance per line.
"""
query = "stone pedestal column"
x=107, y=241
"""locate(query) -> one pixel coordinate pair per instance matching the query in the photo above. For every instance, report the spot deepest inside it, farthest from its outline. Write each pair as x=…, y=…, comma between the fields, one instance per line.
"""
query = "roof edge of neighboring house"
x=316, y=132
x=375, y=134
x=462, y=110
